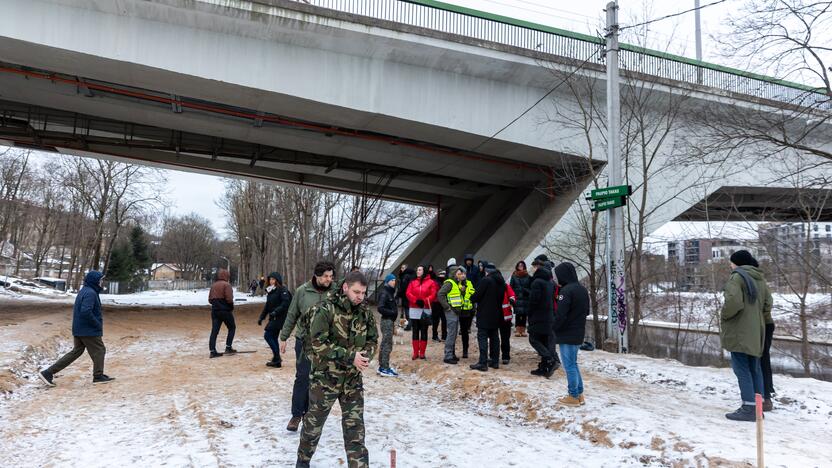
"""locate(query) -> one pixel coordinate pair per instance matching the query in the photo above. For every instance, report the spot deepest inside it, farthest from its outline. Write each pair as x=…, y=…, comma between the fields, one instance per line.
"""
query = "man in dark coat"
x=221, y=298
x=87, y=332
x=489, y=300
x=278, y=299
x=569, y=328
x=405, y=277
x=541, y=317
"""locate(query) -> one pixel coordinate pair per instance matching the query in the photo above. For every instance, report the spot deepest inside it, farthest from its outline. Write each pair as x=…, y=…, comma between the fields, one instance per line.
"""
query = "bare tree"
x=190, y=243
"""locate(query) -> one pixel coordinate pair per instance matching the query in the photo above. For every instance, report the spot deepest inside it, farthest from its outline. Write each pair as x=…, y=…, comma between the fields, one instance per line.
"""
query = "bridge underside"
x=497, y=207
x=763, y=204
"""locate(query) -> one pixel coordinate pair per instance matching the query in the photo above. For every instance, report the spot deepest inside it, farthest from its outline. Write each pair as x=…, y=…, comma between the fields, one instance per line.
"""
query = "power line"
x=564, y=80
x=670, y=16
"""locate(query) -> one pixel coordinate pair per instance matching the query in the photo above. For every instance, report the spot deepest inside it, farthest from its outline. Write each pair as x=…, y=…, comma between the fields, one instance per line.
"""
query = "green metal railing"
x=474, y=24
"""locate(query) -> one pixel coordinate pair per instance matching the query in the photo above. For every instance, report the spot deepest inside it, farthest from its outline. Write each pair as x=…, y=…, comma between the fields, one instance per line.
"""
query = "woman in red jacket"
x=420, y=293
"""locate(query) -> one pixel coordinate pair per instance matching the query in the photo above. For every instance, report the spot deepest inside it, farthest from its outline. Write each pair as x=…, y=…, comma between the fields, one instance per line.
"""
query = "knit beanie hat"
x=743, y=257
x=389, y=278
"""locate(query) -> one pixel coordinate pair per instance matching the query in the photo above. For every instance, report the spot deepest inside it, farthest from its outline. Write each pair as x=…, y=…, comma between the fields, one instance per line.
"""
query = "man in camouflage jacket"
x=343, y=336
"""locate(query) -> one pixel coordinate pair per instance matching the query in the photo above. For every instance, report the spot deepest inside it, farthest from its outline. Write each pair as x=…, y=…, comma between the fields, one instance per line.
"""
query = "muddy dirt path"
x=171, y=405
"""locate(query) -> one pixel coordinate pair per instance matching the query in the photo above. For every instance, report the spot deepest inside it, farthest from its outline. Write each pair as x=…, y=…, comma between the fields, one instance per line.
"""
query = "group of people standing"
x=336, y=334
x=549, y=305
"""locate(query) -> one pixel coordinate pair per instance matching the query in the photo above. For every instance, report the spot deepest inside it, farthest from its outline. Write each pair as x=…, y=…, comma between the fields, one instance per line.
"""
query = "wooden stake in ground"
x=759, y=410
x=392, y=458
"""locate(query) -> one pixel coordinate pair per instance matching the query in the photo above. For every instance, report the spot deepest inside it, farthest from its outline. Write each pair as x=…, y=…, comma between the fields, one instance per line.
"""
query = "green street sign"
x=608, y=203
x=609, y=192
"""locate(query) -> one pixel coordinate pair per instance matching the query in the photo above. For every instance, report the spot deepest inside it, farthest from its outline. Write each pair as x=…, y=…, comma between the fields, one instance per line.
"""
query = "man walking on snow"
x=221, y=298
x=742, y=328
x=306, y=295
x=87, y=332
x=342, y=338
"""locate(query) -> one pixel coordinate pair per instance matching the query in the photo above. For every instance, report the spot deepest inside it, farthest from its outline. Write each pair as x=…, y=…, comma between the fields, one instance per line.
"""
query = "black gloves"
x=260, y=322
x=420, y=303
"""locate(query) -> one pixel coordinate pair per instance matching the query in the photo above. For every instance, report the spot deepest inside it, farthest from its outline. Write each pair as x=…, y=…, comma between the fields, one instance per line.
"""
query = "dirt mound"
x=31, y=360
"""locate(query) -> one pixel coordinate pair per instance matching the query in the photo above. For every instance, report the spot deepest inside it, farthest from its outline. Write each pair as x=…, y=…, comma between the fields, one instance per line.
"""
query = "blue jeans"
x=749, y=376
x=569, y=359
x=271, y=339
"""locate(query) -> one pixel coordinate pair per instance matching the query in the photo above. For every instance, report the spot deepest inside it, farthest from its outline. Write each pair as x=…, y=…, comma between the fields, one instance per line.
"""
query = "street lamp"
x=227, y=263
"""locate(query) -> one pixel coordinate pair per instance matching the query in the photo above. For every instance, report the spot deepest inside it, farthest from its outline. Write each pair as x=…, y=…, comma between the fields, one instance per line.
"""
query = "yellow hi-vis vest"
x=455, y=298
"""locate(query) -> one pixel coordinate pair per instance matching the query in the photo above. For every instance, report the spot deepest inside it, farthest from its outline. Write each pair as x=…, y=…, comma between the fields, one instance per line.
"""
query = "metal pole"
x=617, y=320
x=698, y=35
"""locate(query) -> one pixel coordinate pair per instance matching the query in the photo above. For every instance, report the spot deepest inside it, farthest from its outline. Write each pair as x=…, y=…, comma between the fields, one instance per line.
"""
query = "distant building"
x=693, y=257
x=797, y=247
x=165, y=271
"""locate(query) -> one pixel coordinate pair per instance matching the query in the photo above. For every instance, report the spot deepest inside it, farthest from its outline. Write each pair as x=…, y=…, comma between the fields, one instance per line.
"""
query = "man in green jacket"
x=342, y=338
x=306, y=295
x=742, y=328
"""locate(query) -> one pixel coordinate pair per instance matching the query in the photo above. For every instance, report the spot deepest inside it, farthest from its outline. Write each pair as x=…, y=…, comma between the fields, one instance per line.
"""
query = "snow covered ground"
x=192, y=297
x=24, y=290
x=173, y=406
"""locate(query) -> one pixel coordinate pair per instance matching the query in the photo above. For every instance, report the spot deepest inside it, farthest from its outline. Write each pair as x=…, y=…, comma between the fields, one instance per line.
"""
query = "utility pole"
x=698, y=34
x=617, y=318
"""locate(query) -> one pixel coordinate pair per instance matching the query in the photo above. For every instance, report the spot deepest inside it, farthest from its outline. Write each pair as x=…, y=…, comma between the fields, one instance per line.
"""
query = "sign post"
x=617, y=318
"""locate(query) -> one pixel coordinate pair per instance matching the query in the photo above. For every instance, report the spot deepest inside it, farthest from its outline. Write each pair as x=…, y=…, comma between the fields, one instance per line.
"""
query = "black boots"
x=479, y=367
x=215, y=354
x=102, y=379
x=743, y=413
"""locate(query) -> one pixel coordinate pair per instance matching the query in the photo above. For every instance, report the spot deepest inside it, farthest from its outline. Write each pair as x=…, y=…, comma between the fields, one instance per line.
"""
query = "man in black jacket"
x=389, y=313
x=570, y=326
x=489, y=299
x=541, y=317
x=278, y=299
x=406, y=275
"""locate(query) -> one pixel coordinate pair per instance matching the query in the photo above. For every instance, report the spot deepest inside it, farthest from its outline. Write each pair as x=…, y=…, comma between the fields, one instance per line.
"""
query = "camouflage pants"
x=387, y=327
x=321, y=399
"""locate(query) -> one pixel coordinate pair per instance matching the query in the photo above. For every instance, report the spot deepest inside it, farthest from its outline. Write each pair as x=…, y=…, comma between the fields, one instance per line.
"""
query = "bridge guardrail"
x=452, y=19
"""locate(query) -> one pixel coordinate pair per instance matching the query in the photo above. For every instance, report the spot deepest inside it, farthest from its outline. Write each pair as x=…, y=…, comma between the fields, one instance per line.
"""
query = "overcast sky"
x=190, y=192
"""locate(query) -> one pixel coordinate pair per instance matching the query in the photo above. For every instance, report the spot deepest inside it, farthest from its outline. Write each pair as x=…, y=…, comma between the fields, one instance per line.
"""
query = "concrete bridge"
x=408, y=101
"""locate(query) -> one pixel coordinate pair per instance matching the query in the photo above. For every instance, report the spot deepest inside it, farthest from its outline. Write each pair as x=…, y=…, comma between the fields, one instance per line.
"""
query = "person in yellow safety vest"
x=455, y=297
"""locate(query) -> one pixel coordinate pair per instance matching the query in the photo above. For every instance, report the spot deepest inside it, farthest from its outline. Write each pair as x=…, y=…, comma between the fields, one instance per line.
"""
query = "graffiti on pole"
x=618, y=295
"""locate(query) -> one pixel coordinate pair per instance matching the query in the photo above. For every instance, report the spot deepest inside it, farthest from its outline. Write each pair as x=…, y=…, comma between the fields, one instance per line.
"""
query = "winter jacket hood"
x=87, y=319
x=93, y=279
x=276, y=276
x=221, y=295
x=566, y=274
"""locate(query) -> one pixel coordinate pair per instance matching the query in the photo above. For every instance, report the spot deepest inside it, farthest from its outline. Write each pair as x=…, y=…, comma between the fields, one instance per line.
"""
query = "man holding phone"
x=343, y=336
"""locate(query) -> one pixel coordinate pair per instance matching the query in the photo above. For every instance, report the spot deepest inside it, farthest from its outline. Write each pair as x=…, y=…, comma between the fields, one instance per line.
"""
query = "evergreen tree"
x=140, y=249
x=122, y=266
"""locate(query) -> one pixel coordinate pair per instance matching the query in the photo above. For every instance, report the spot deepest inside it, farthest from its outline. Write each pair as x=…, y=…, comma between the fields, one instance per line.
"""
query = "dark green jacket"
x=742, y=322
x=305, y=297
x=338, y=330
